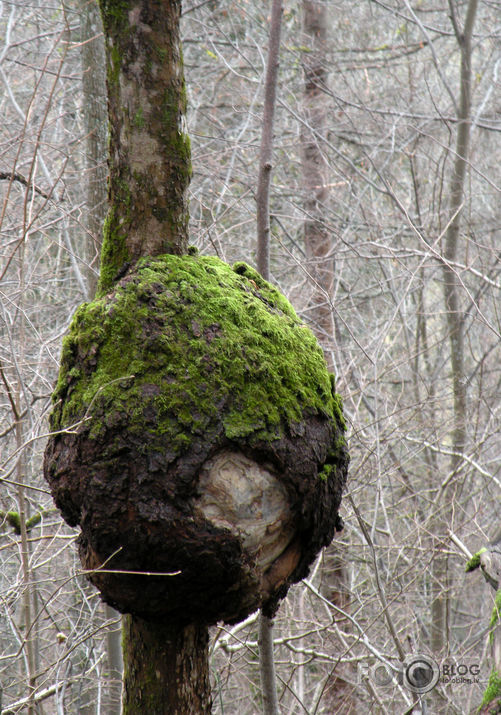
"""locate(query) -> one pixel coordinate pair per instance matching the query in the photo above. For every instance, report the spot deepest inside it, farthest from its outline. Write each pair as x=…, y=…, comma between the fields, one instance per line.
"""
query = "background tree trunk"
x=315, y=171
x=96, y=134
x=440, y=607
x=320, y=263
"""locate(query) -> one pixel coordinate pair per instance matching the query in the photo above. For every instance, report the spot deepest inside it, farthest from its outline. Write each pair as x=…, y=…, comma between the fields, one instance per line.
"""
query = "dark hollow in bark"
x=209, y=442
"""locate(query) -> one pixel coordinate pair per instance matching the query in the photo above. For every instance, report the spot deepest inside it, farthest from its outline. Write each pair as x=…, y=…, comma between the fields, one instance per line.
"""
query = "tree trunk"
x=317, y=239
x=165, y=666
x=320, y=261
x=96, y=134
x=150, y=165
x=455, y=328
x=266, y=148
x=115, y=662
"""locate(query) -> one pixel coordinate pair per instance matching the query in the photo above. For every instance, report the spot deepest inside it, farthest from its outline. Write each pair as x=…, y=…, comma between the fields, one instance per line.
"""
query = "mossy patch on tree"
x=475, y=561
x=184, y=359
x=496, y=612
x=492, y=693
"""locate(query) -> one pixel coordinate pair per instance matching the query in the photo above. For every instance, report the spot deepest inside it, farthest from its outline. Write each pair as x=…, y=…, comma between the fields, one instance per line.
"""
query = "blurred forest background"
x=386, y=236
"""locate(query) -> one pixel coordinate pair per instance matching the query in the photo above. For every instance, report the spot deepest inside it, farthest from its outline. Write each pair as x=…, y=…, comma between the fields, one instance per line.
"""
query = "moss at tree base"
x=185, y=359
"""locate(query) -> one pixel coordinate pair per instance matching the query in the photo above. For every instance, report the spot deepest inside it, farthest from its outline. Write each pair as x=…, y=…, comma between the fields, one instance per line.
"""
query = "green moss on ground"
x=196, y=341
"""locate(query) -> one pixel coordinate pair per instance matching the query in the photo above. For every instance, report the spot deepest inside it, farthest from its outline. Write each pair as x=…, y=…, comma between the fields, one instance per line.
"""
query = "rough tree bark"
x=165, y=664
x=166, y=668
x=150, y=166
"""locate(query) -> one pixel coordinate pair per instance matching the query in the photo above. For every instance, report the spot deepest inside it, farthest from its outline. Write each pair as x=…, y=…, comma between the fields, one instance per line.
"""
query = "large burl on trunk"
x=197, y=433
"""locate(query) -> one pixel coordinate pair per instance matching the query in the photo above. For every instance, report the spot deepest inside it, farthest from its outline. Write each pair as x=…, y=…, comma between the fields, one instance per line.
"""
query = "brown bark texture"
x=166, y=668
x=187, y=362
x=149, y=164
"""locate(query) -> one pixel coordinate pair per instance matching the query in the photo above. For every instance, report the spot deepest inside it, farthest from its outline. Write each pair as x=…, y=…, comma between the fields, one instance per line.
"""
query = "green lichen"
x=205, y=342
x=492, y=691
x=474, y=562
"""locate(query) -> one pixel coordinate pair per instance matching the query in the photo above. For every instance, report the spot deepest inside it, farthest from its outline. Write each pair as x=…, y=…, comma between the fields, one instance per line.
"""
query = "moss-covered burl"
x=198, y=434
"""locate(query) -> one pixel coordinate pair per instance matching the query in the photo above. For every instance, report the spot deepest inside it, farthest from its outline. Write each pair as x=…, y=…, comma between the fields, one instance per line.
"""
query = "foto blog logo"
x=419, y=673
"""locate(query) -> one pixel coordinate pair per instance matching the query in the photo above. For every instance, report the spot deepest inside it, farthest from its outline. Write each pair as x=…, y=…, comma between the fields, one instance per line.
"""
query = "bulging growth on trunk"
x=209, y=442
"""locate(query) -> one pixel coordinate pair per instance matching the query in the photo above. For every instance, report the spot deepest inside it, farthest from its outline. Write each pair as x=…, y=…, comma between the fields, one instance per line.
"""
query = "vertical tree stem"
x=165, y=668
x=165, y=664
x=267, y=666
x=266, y=150
x=455, y=320
x=149, y=161
x=266, y=659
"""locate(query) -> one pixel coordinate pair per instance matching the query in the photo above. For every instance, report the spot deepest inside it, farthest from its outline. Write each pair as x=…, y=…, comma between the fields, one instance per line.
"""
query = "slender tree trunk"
x=96, y=133
x=317, y=239
x=455, y=325
x=266, y=655
x=267, y=666
x=165, y=665
x=320, y=262
x=266, y=148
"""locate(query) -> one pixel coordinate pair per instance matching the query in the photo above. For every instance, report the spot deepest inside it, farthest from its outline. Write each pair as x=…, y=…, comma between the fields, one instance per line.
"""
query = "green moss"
x=115, y=256
x=496, y=612
x=139, y=118
x=201, y=341
x=114, y=253
x=114, y=13
x=14, y=520
x=493, y=690
x=325, y=472
x=474, y=562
